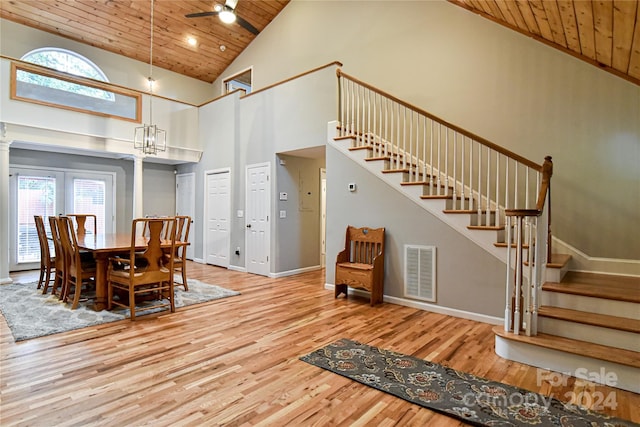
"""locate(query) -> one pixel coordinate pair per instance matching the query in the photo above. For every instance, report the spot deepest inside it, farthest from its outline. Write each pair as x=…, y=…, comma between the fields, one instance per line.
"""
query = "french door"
x=45, y=192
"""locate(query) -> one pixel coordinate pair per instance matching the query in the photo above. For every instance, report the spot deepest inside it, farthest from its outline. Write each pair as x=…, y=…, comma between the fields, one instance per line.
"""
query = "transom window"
x=64, y=79
x=67, y=62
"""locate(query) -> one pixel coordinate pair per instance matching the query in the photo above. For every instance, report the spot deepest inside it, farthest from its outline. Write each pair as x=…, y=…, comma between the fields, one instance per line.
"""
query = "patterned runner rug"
x=30, y=314
x=472, y=399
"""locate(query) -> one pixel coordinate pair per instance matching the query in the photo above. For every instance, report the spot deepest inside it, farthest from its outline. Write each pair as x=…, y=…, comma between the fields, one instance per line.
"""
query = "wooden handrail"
x=335, y=63
x=514, y=156
x=297, y=76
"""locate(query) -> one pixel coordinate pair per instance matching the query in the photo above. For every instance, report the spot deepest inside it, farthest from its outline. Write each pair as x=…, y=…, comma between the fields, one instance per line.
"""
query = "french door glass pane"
x=89, y=198
x=36, y=196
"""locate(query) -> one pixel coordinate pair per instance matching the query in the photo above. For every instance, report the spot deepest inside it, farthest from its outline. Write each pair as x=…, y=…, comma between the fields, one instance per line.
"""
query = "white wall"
x=236, y=132
x=468, y=278
x=499, y=84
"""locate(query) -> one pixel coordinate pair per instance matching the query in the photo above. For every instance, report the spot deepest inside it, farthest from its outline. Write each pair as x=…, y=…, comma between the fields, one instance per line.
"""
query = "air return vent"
x=420, y=272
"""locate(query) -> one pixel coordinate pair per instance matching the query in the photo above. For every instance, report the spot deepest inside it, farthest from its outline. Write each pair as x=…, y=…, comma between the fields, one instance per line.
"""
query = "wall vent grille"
x=420, y=272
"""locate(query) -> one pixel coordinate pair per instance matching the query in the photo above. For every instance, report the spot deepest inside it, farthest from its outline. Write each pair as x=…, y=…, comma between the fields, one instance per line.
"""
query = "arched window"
x=68, y=62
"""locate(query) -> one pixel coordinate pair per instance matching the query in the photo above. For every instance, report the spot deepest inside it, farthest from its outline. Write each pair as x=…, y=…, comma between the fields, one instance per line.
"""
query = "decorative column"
x=4, y=206
x=138, y=211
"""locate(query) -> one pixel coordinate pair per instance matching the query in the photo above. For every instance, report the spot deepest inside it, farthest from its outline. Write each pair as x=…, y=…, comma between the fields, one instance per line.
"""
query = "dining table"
x=103, y=246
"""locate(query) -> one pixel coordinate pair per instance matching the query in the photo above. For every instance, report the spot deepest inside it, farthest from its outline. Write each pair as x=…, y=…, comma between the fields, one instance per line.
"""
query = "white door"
x=186, y=202
x=258, y=206
x=323, y=218
x=217, y=215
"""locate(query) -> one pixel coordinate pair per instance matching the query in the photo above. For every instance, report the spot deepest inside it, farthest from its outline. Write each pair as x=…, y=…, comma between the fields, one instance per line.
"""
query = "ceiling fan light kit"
x=227, y=14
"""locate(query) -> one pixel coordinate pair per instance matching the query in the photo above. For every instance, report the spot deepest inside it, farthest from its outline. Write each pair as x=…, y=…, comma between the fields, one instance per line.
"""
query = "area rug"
x=30, y=314
x=474, y=400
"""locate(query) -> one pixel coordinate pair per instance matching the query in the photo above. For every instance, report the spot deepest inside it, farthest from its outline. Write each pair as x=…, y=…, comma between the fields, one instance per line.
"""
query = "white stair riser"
x=627, y=377
x=556, y=274
x=589, y=333
x=591, y=305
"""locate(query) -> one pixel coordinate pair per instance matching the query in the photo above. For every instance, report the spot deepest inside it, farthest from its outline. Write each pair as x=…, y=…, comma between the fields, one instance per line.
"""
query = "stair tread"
x=513, y=245
x=558, y=260
x=619, y=288
x=582, y=348
x=595, y=319
x=486, y=227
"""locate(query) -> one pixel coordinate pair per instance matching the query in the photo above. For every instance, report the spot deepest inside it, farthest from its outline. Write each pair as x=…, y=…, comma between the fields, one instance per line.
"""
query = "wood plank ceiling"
x=123, y=27
x=605, y=33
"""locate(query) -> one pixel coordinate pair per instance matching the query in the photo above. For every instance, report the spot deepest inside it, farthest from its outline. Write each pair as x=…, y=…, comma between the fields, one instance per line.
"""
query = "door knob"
x=248, y=225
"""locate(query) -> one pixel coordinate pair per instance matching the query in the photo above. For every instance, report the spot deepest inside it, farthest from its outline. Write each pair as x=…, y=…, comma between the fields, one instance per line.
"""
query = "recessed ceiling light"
x=192, y=41
x=223, y=48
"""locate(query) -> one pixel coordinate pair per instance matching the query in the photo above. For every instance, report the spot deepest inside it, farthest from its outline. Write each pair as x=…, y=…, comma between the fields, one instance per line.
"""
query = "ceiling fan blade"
x=200, y=14
x=247, y=26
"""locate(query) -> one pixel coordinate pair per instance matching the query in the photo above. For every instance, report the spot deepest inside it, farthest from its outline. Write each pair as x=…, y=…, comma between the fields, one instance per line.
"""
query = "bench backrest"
x=364, y=244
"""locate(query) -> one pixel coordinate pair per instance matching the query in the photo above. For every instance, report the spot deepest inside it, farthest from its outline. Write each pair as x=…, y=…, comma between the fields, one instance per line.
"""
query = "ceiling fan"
x=227, y=14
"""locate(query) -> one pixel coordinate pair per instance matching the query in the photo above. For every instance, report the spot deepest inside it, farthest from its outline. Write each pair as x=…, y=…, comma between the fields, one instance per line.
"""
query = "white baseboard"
x=478, y=317
x=583, y=262
x=237, y=268
x=296, y=271
x=198, y=260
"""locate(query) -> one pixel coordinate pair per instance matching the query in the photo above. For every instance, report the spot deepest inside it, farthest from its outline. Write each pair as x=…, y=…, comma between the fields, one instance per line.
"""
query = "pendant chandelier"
x=150, y=138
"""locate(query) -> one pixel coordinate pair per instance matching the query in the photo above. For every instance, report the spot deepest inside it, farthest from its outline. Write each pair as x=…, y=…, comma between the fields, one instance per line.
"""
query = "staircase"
x=589, y=327
x=583, y=324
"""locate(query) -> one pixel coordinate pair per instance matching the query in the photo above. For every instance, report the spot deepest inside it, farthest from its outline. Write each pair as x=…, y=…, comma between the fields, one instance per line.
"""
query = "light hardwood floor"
x=235, y=362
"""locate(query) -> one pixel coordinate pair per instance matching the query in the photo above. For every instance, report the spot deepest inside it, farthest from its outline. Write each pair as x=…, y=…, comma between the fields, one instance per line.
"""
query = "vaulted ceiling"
x=605, y=33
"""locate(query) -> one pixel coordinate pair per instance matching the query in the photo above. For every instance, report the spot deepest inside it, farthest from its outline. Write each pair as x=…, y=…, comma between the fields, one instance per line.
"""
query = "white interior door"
x=258, y=206
x=186, y=202
x=218, y=207
x=323, y=218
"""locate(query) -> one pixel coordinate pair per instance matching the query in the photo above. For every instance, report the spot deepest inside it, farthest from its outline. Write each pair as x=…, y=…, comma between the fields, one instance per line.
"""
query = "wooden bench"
x=361, y=264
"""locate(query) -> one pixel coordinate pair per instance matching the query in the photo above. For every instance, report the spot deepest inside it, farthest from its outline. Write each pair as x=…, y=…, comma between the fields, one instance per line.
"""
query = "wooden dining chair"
x=60, y=259
x=183, y=225
x=47, y=262
x=78, y=272
x=147, y=273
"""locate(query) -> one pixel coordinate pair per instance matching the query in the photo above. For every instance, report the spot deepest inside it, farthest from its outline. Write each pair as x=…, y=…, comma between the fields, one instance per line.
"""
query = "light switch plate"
x=283, y=214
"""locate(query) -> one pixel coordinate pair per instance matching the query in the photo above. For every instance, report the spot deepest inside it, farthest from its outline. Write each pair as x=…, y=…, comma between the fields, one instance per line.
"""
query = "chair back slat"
x=81, y=223
x=155, y=230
